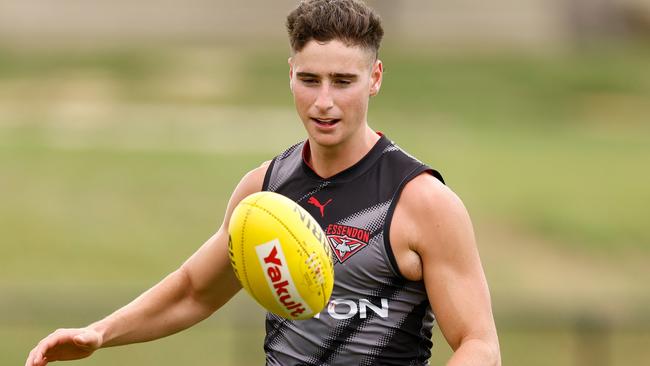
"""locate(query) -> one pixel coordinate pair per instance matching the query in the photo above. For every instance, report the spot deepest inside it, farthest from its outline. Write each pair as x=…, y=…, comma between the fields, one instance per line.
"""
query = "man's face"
x=331, y=85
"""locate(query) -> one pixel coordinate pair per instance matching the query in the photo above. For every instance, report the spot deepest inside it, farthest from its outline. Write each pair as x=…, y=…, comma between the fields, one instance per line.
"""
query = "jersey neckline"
x=355, y=170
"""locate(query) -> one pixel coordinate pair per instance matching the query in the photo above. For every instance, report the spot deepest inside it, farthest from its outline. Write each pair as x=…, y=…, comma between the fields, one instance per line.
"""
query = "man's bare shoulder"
x=259, y=172
x=426, y=194
x=253, y=180
x=436, y=212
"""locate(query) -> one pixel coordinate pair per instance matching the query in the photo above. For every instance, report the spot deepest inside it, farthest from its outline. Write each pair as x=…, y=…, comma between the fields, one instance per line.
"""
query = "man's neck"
x=328, y=161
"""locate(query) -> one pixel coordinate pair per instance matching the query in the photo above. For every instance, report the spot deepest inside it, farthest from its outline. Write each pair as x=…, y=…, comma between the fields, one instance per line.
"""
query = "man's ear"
x=376, y=76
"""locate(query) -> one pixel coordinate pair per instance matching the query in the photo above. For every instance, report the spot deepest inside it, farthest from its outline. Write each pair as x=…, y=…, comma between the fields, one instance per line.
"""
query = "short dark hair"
x=350, y=21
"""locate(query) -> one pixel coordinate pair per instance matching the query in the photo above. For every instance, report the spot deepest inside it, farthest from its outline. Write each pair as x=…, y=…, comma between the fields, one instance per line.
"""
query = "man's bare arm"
x=452, y=271
x=188, y=295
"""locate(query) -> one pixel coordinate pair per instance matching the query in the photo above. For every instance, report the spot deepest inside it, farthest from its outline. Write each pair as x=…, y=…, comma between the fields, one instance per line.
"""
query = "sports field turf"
x=116, y=165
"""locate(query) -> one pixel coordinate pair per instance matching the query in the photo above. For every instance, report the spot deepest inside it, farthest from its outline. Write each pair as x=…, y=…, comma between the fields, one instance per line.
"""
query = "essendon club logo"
x=346, y=241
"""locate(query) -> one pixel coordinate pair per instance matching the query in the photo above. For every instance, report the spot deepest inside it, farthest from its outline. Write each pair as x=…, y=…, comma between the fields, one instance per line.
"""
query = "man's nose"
x=324, y=99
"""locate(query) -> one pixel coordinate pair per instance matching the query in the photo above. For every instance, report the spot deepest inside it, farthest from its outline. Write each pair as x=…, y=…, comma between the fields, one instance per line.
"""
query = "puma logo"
x=313, y=201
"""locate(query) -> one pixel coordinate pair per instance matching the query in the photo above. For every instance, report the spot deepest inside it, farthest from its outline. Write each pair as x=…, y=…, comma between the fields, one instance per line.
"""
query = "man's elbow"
x=496, y=354
x=492, y=352
x=199, y=299
x=480, y=351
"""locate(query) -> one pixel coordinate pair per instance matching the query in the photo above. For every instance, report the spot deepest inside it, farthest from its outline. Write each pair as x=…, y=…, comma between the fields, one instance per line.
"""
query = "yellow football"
x=280, y=255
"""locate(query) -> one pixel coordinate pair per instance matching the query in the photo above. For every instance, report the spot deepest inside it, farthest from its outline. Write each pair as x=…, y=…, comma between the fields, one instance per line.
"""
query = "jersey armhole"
x=267, y=175
x=391, y=211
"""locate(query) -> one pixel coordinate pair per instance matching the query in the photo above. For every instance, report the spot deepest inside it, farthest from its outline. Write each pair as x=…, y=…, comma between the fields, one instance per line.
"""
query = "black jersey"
x=375, y=316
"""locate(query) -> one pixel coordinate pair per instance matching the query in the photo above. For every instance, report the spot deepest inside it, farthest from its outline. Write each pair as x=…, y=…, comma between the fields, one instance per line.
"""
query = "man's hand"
x=65, y=344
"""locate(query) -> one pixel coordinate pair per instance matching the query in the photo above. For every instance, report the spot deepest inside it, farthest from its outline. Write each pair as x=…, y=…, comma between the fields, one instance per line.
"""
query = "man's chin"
x=325, y=140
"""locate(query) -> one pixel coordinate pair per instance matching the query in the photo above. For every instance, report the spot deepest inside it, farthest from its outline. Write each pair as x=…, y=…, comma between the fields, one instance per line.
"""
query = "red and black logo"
x=321, y=206
x=346, y=241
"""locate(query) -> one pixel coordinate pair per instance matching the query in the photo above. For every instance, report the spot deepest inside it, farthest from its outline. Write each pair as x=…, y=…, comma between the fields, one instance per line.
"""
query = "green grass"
x=87, y=207
x=559, y=141
x=117, y=165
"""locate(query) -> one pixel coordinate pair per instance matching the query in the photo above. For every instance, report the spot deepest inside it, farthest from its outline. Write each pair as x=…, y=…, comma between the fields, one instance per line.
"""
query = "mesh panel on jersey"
x=284, y=171
x=371, y=218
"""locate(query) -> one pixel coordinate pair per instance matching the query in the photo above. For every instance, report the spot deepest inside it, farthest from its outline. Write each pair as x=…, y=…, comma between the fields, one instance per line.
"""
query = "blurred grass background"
x=117, y=162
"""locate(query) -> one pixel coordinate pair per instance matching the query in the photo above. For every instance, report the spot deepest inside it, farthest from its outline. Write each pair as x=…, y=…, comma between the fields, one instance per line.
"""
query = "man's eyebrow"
x=334, y=75
x=306, y=74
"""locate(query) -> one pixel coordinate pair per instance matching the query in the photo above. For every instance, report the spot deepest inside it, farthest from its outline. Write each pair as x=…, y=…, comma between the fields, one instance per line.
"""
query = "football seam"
x=241, y=250
x=242, y=242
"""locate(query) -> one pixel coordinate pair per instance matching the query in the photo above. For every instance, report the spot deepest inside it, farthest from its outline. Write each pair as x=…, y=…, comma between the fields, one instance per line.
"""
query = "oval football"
x=280, y=255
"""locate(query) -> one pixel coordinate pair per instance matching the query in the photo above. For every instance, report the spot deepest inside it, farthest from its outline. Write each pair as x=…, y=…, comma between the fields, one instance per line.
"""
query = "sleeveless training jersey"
x=375, y=316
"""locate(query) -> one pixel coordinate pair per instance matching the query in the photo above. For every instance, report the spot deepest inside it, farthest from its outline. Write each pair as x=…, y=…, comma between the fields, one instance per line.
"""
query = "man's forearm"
x=476, y=352
x=166, y=308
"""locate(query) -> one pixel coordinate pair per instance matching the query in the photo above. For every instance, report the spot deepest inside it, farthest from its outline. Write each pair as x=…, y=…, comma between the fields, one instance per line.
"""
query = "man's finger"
x=36, y=359
x=30, y=358
x=46, y=345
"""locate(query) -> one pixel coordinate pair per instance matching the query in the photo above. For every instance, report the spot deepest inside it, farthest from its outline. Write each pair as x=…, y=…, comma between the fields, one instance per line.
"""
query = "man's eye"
x=342, y=82
x=309, y=81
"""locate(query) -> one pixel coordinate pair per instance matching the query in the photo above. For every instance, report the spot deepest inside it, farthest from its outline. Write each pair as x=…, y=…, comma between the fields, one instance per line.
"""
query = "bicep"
x=460, y=300
x=211, y=280
x=452, y=271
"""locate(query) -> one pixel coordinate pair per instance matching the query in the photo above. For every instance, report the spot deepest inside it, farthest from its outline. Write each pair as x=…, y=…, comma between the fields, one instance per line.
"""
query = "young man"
x=403, y=241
